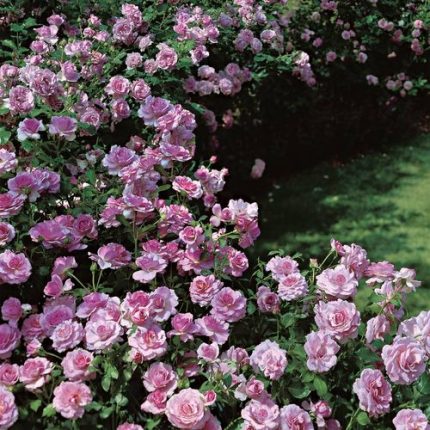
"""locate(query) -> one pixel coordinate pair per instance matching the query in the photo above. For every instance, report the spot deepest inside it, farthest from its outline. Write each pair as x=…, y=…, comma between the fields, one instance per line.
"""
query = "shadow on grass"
x=380, y=201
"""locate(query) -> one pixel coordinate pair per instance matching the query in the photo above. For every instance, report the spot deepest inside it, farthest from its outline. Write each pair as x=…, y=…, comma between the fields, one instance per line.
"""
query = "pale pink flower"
x=292, y=287
x=321, y=350
x=404, y=360
x=339, y=319
x=67, y=335
x=160, y=376
x=9, y=410
x=338, y=282
x=34, y=373
x=270, y=359
x=294, y=417
x=411, y=419
x=70, y=399
x=187, y=410
x=9, y=340
x=76, y=365
x=261, y=414
x=373, y=391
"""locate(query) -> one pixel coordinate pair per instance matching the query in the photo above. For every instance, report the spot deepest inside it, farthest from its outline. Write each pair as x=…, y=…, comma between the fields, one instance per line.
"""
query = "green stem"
x=352, y=419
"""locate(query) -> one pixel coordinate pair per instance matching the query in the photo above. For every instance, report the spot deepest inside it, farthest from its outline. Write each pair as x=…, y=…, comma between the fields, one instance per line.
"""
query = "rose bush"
x=126, y=301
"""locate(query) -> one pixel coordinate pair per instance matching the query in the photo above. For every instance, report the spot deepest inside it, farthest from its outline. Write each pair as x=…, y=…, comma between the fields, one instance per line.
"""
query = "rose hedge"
x=125, y=303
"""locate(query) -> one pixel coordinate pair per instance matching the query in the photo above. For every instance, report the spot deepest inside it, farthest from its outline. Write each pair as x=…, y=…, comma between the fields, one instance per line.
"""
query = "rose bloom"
x=21, y=100
x=295, y=418
x=140, y=90
x=418, y=328
x=270, y=359
x=11, y=204
x=377, y=328
x=111, y=256
x=281, y=267
x=63, y=126
x=29, y=129
x=166, y=57
x=67, y=335
x=404, y=360
x=9, y=374
x=229, y=305
x=118, y=86
x=160, y=376
x=187, y=410
x=292, y=287
x=149, y=342
x=321, y=350
x=118, y=158
x=8, y=161
x=155, y=403
x=373, y=391
x=34, y=373
x=9, y=340
x=7, y=233
x=129, y=426
x=102, y=334
x=70, y=399
x=267, y=301
x=258, y=168
x=183, y=326
x=261, y=414
x=411, y=419
x=338, y=282
x=76, y=365
x=8, y=408
x=204, y=288
x=339, y=318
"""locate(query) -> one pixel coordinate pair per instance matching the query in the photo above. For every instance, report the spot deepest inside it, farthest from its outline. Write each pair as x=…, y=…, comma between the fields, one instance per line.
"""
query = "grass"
x=380, y=201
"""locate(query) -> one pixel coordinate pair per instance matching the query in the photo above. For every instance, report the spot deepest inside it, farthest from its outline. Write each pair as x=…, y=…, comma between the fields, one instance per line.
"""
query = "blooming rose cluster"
x=126, y=299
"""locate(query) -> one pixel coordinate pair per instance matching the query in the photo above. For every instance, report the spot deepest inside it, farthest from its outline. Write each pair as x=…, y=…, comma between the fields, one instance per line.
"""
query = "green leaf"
x=288, y=320
x=4, y=136
x=49, y=411
x=35, y=405
x=299, y=391
x=363, y=419
x=106, y=380
x=320, y=386
x=106, y=412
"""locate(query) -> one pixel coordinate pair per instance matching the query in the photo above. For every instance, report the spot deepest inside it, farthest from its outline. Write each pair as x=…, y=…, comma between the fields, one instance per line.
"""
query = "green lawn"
x=380, y=201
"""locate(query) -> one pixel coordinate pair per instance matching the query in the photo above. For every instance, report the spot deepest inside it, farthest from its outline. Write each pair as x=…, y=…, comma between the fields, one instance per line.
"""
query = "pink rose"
x=183, y=326
x=166, y=57
x=140, y=90
x=155, y=403
x=7, y=233
x=149, y=342
x=21, y=100
x=160, y=376
x=373, y=391
x=204, y=288
x=111, y=256
x=9, y=374
x=418, y=328
x=9, y=340
x=67, y=335
x=187, y=410
x=9, y=410
x=102, y=334
x=76, y=365
x=404, y=360
x=34, y=373
x=339, y=319
x=150, y=264
x=11, y=204
x=129, y=426
x=29, y=129
x=118, y=158
x=258, y=168
x=280, y=267
x=70, y=399
x=411, y=419
x=270, y=359
x=261, y=414
x=338, y=282
x=8, y=161
x=14, y=268
x=118, y=86
x=11, y=310
x=229, y=305
x=63, y=126
x=295, y=418
x=213, y=328
x=292, y=287
x=321, y=350
x=377, y=328
x=267, y=300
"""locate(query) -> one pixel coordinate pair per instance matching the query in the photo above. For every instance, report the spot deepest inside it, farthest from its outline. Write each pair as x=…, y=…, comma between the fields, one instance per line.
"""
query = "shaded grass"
x=380, y=201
